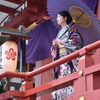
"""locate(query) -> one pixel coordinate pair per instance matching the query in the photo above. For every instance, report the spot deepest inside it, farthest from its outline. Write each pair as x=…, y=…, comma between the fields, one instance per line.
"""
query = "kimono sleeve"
x=74, y=42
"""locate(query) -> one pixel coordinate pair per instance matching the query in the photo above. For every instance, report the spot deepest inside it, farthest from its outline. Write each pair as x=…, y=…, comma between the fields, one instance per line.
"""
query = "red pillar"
x=98, y=10
x=89, y=83
x=18, y=98
x=45, y=78
x=80, y=85
x=26, y=85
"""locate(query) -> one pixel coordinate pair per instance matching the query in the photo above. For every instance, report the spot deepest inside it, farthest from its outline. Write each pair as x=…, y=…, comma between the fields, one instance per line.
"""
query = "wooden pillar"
x=31, y=98
x=18, y=98
x=90, y=82
x=84, y=83
x=26, y=98
x=45, y=78
x=98, y=10
x=26, y=85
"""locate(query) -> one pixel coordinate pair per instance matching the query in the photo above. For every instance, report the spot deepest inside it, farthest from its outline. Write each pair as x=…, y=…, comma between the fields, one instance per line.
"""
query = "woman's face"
x=60, y=19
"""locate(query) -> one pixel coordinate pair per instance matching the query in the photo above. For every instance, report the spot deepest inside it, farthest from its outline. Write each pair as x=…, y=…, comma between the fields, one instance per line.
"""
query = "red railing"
x=86, y=81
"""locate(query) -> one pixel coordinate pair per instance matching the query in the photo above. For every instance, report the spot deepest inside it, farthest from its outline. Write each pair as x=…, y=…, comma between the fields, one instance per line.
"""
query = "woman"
x=67, y=41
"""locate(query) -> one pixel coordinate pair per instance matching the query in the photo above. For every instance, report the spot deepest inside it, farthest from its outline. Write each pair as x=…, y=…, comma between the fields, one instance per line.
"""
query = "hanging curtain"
x=39, y=45
x=93, y=4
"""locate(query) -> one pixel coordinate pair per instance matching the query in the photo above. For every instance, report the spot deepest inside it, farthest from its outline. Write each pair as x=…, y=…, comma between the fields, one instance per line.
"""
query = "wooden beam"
x=13, y=32
x=19, y=2
x=33, y=7
x=7, y=9
x=10, y=94
x=34, y=12
x=21, y=19
x=18, y=20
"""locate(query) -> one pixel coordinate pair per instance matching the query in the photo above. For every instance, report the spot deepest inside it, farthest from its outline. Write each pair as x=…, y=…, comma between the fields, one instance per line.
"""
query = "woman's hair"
x=66, y=14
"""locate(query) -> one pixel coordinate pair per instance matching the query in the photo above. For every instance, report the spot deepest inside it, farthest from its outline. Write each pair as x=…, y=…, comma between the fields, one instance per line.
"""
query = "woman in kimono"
x=67, y=41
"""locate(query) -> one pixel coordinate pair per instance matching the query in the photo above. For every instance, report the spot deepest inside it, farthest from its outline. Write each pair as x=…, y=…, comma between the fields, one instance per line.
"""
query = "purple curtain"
x=92, y=4
x=39, y=45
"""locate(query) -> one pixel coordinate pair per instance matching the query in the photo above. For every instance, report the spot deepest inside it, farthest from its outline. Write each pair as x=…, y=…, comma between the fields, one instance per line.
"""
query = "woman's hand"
x=55, y=43
x=59, y=41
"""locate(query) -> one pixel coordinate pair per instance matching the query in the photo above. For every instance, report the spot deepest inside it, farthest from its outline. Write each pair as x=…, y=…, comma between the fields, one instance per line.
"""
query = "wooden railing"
x=86, y=81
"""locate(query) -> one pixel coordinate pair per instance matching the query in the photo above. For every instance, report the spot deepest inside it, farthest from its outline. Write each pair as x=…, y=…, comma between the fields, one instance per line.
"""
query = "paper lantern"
x=9, y=55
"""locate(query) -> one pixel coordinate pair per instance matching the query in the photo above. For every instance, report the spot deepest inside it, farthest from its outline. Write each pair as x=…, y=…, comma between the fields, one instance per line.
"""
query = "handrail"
x=52, y=85
x=87, y=82
x=61, y=82
x=13, y=93
x=12, y=74
x=67, y=58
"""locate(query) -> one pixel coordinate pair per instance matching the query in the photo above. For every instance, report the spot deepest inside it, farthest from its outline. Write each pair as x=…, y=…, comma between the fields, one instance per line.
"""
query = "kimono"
x=72, y=42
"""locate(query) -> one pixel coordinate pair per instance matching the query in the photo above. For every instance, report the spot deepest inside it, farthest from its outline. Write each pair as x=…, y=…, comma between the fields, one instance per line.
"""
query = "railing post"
x=27, y=85
x=80, y=85
x=18, y=98
x=26, y=98
x=30, y=98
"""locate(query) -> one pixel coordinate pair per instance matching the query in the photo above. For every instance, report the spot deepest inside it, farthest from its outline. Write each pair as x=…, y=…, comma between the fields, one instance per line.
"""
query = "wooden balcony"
x=86, y=80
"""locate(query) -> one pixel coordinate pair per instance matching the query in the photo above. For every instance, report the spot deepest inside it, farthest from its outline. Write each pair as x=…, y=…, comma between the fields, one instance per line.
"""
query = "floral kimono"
x=72, y=42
